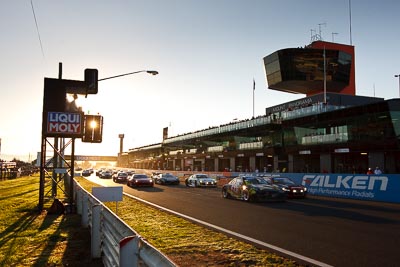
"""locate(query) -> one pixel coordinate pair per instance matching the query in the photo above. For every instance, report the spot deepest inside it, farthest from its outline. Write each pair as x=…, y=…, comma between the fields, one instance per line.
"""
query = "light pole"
x=152, y=72
x=121, y=149
x=398, y=76
x=121, y=136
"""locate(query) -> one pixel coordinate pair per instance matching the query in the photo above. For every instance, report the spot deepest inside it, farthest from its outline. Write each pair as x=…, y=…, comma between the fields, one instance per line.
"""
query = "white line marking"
x=281, y=250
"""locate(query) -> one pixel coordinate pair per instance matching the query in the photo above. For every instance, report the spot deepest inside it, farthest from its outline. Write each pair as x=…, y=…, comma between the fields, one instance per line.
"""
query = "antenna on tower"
x=333, y=38
x=317, y=36
x=374, y=89
x=320, y=31
x=313, y=35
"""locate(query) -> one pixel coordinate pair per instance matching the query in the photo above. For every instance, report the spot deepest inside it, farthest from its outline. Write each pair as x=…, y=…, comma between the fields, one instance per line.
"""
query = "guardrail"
x=111, y=238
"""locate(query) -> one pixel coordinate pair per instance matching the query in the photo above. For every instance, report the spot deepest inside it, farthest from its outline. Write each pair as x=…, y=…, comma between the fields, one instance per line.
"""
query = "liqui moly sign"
x=64, y=124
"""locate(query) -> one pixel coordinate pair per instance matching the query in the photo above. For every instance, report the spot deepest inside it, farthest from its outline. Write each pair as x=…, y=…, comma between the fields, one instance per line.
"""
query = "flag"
x=254, y=85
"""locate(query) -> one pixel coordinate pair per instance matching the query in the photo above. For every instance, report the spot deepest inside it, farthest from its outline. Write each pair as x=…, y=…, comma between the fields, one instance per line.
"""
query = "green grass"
x=186, y=243
x=32, y=238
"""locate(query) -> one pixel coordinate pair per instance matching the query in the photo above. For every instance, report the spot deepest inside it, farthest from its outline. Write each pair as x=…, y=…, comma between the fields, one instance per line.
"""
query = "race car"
x=250, y=188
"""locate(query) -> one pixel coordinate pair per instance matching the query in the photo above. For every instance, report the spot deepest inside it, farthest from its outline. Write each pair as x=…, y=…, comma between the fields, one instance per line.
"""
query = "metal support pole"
x=95, y=232
x=152, y=72
x=42, y=173
x=324, y=56
x=71, y=181
x=55, y=166
x=55, y=154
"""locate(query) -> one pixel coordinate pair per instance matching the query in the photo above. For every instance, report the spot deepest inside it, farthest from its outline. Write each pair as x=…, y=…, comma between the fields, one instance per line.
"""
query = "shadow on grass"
x=8, y=237
x=20, y=225
x=23, y=193
x=68, y=245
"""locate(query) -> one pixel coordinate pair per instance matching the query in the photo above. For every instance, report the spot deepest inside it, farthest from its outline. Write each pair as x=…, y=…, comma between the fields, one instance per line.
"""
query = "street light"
x=92, y=129
x=152, y=72
x=398, y=76
x=93, y=125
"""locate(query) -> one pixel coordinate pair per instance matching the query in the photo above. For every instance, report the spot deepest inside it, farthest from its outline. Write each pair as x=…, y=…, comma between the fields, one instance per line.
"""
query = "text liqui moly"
x=64, y=123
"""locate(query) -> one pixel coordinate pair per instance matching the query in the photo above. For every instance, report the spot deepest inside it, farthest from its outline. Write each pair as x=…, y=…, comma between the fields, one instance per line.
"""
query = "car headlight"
x=305, y=189
x=285, y=189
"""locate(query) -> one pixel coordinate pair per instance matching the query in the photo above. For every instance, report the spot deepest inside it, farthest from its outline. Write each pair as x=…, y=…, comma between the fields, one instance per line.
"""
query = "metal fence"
x=111, y=238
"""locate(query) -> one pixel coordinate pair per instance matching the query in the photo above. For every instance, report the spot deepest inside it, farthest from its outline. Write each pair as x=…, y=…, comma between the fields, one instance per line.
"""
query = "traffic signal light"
x=91, y=80
x=93, y=129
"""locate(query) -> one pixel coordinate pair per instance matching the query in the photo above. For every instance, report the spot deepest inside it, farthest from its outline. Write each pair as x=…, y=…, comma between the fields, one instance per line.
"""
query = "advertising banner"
x=384, y=187
x=64, y=124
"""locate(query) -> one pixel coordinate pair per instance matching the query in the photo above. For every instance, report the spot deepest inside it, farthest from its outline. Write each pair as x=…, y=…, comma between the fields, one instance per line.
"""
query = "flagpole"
x=254, y=89
x=324, y=76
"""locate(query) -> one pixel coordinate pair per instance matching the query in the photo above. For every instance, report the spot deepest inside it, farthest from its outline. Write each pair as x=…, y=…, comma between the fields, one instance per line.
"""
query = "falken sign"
x=64, y=124
x=385, y=187
x=359, y=186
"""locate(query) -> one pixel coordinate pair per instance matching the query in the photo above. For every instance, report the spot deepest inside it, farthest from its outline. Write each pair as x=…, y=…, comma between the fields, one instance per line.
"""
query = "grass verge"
x=186, y=243
x=32, y=238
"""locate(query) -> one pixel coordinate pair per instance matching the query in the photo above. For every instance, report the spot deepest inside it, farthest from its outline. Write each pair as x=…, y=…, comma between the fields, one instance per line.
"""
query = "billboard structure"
x=63, y=119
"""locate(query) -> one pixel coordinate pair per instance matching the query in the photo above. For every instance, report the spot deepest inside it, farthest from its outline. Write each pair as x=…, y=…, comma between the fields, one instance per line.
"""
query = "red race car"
x=137, y=180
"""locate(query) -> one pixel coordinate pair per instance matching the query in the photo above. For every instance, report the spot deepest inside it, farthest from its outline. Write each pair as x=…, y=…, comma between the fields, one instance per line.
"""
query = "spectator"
x=370, y=171
x=377, y=171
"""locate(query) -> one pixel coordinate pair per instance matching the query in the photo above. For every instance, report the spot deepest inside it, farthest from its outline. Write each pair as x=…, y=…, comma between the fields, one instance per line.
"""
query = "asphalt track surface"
x=337, y=232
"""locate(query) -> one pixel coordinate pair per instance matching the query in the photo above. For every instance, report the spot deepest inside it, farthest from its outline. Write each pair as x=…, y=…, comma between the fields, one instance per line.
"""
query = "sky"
x=207, y=54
